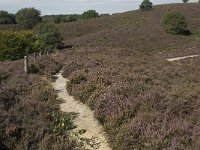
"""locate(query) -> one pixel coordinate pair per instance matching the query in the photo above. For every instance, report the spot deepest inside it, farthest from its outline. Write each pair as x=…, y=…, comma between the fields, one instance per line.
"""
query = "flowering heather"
x=143, y=101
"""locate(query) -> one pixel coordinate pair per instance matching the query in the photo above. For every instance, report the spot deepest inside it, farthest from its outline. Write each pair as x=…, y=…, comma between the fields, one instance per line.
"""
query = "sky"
x=48, y=7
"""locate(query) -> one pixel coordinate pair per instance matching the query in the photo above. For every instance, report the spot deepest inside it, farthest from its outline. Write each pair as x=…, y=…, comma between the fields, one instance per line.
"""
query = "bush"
x=78, y=79
x=90, y=14
x=103, y=15
x=73, y=18
x=185, y=1
x=174, y=22
x=60, y=18
x=48, y=35
x=66, y=18
x=15, y=45
x=6, y=18
x=28, y=17
x=146, y=5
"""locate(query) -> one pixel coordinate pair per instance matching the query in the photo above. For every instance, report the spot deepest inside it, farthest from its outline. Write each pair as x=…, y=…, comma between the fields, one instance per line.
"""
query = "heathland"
x=118, y=67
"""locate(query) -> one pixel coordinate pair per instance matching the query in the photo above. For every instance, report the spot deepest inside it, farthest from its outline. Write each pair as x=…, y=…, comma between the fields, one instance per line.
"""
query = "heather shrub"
x=78, y=79
x=174, y=22
x=24, y=97
x=143, y=102
x=15, y=45
x=33, y=69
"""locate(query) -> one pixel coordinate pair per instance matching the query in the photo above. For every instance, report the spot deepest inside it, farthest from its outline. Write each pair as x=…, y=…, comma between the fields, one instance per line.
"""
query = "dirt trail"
x=85, y=119
x=179, y=58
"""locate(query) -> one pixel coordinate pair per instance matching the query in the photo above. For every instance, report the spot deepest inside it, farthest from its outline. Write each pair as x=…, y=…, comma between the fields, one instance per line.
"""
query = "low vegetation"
x=118, y=68
x=143, y=102
x=29, y=111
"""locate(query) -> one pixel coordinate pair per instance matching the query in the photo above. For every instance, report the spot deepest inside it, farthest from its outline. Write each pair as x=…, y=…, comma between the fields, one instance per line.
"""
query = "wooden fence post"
x=34, y=57
x=40, y=54
x=26, y=64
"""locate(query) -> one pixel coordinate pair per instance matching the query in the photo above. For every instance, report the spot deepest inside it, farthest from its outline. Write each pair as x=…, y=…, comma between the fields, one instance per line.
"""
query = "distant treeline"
x=9, y=18
x=72, y=17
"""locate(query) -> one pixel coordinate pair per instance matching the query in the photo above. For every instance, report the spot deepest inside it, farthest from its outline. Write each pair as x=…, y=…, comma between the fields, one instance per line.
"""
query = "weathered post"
x=40, y=54
x=26, y=64
x=34, y=57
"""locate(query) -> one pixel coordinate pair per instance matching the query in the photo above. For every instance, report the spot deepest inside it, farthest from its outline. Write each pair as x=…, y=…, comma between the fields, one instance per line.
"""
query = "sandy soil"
x=179, y=58
x=85, y=118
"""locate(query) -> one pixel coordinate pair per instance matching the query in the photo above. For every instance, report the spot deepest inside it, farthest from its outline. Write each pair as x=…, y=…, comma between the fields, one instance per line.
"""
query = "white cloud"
x=77, y=6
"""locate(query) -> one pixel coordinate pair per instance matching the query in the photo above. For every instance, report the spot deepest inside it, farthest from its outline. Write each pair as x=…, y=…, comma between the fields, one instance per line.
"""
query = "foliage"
x=28, y=17
x=65, y=18
x=174, y=22
x=143, y=101
x=48, y=35
x=23, y=98
x=15, y=45
x=146, y=5
x=60, y=18
x=103, y=15
x=89, y=14
x=62, y=122
x=185, y=1
x=78, y=79
x=6, y=18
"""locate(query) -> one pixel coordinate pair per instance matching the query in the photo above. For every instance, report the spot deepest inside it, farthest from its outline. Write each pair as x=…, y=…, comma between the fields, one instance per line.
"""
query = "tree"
x=103, y=15
x=6, y=18
x=48, y=35
x=28, y=17
x=146, y=5
x=174, y=22
x=90, y=14
x=185, y=1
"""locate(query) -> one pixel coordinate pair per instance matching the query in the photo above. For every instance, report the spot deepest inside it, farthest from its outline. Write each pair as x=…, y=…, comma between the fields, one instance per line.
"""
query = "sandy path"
x=85, y=119
x=179, y=58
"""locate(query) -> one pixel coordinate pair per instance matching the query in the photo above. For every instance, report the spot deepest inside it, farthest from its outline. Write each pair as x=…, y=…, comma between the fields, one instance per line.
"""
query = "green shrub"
x=61, y=18
x=78, y=79
x=15, y=45
x=73, y=18
x=62, y=122
x=48, y=35
x=146, y=5
x=185, y=1
x=28, y=17
x=90, y=14
x=33, y=69
x=103, y=15
x=6, y=18
x=174, y=22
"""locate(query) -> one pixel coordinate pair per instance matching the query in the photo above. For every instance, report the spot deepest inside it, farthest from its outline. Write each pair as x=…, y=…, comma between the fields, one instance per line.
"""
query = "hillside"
x=118, y=68
x=130, y=29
